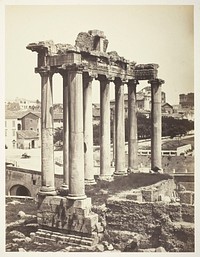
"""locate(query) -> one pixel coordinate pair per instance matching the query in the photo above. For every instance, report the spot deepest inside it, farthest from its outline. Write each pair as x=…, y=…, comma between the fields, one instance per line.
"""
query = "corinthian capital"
x=158, y=82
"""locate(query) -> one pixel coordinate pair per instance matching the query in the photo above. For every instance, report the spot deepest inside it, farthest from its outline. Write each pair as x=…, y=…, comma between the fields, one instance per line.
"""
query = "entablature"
x=90, y=52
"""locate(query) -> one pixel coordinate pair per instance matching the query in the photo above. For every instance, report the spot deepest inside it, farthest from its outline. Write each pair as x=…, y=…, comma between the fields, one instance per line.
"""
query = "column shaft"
x=156, y=124
x=76, y=151
x=88, y=129
x=47, y=146
x=65, y=132
x=105, y=169
x=132, y=127
x=119, y=129
x=114, y=137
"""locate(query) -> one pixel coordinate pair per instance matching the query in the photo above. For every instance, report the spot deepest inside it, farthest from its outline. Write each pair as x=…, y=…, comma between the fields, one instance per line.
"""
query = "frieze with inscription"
x=145, y=74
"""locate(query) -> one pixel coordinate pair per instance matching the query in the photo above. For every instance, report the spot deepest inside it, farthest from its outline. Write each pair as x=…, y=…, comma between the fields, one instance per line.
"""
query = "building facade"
x=186, y=100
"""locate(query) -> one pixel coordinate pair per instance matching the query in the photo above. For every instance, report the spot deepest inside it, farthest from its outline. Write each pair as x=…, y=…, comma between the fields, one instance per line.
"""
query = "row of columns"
x=78, y=130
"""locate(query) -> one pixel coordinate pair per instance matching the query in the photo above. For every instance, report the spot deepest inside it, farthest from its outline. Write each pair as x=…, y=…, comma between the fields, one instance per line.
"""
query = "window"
x=13, y=132
x=13, y=123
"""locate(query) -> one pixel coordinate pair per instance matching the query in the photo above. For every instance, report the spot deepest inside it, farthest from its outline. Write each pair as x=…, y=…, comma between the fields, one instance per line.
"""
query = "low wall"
x=179, y=163
x=159, y=223
x=30, y=179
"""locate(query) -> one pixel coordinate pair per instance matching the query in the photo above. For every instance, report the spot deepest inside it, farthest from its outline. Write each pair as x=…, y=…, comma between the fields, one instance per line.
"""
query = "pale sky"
x=141, y=33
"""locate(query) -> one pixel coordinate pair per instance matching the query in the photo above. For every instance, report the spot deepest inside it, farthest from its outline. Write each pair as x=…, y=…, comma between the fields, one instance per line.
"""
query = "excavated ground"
x=99, y=194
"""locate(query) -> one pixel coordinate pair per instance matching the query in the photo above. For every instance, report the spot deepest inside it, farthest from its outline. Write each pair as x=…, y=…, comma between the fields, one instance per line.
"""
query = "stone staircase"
x=51, y=237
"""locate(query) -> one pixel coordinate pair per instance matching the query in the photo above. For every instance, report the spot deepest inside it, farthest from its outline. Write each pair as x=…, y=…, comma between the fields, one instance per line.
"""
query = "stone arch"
x=19, y=190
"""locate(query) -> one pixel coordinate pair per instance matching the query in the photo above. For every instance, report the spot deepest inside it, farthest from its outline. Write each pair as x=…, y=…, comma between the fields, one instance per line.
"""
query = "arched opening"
x=20, y=190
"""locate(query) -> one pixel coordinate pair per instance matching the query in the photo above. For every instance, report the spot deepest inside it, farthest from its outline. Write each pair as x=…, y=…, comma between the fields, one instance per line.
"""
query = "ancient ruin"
x=79, y=65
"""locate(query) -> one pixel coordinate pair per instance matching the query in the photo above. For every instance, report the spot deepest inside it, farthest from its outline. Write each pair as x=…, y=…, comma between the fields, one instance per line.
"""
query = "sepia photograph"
x=99, y=113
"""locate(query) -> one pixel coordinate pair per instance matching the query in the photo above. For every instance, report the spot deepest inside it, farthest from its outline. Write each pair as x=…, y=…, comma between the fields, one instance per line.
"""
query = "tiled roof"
x=167, y=104
x=11, y=114
x=27, y=134
x=19, y=114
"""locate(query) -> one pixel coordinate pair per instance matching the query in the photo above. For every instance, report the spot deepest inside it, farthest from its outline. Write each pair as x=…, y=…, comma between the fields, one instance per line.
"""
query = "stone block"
x=174, y=211
x=39, y=239
x=135, y=197
x=186, y=197
x=48, y=235
x=83, y=204
x=70, y=210
x=188, y=213
x=86, y=242
x=147, y=195
x=42, y=234
x=49, y=240
x=89, y=224
x=82, y=212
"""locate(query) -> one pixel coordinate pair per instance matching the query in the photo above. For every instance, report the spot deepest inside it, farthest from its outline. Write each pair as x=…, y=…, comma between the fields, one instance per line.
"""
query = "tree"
x=58, y=136
x=96, y=134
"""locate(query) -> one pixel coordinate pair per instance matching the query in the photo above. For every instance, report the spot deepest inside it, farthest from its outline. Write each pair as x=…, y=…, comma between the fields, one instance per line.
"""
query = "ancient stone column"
x=105, y=169
x=114, y=136
x=88, y=129
x=47, y=146
x=119, y=129
x=65, y=185
x=156, y=124
x=132, y=127
x=76, y=146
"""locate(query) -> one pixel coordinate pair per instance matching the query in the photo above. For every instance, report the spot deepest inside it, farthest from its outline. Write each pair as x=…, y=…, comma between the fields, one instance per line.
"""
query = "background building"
x=186, y=100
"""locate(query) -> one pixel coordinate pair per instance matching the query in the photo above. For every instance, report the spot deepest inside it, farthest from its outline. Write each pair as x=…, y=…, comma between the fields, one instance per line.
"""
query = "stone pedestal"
x=60, y=214
x=132, y=127
x=156, y=124
x=88, y=130
x=119, y=129
x=47, y=146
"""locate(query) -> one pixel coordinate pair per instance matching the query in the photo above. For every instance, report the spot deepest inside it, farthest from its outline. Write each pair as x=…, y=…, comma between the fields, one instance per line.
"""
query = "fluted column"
x=119, y=129
x=76, y=147
x=132, y=127
x=88, y=130
x=65, y=185
x=156, y=124
x=47, y=146
x=105, y=169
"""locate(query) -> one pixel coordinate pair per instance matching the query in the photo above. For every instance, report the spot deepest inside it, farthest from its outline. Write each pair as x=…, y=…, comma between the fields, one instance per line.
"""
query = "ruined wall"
x=169, y=225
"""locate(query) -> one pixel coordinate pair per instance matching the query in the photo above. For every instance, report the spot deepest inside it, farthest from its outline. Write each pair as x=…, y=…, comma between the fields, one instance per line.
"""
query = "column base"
x=132, y=170
x=106, y=177
x=156, y=170
x=90, y=182
x=64, y=190
x=120, y=173
x=76, y=197
x=65, y=186
x=44, y=190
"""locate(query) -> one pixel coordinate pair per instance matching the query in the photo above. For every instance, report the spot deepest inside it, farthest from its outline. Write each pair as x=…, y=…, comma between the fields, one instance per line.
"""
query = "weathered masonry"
x=79, y=65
